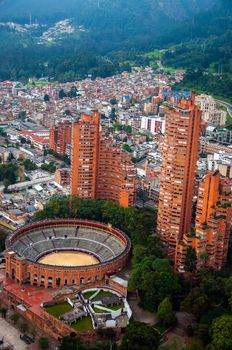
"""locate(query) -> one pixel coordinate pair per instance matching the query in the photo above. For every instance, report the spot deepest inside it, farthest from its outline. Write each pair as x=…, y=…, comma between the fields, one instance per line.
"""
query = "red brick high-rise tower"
x=100, y=170
x=60, y=138
x=210, y=236
x=85, y=150
x=180, y=153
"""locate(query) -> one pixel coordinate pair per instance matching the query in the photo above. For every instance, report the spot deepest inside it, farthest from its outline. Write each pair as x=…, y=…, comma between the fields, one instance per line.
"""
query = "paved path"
x=142, y=315
x=12, y=335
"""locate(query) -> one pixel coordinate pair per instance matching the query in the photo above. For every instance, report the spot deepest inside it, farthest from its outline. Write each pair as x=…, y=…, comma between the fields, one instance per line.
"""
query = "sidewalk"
x=12, y=335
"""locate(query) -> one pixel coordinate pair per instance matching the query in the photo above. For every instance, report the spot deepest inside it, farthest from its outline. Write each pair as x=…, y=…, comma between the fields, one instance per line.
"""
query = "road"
x=227, y=105
x=21, y=185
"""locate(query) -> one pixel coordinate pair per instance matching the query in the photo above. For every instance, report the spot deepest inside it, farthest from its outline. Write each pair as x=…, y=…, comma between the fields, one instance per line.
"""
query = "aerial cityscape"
x=115, y=175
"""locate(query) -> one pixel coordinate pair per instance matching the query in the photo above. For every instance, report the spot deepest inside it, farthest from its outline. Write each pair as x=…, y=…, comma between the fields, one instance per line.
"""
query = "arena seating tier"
x=102, y=244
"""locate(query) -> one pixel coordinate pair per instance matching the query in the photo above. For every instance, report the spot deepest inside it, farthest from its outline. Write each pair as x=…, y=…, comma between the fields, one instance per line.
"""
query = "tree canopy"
x=140, y=336
x=221, y=333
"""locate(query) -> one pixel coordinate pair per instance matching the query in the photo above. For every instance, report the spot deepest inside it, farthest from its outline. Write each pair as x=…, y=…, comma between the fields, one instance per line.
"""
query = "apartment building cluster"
x=211, y=114
x=100, y=170
x=139, y=116
x=208, y=233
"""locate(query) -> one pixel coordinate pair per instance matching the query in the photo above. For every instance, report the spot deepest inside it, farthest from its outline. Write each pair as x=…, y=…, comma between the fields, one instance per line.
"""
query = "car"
x=27, y=339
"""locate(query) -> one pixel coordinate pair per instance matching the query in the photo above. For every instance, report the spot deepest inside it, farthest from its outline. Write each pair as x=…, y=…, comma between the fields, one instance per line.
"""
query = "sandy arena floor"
x=68, y=259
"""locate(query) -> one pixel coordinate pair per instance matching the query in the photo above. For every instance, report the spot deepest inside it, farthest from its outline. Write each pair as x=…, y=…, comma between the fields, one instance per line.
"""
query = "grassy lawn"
x=87, y=295
x=102, y=294
x=38, y=83
x=114, y=308
x=58, y=309
x=155, y=54
x=83, y=325
x=98, y=311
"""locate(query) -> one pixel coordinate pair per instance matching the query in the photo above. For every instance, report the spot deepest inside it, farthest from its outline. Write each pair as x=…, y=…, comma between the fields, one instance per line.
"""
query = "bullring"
x=79, y=252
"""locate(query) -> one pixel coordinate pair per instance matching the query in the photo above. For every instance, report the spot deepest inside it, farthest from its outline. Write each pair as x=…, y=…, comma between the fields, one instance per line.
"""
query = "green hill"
x=196, y=36
x=208, y=55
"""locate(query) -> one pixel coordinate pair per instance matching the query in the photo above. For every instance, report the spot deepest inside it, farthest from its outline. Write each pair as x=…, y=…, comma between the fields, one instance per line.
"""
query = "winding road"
x=227, y=105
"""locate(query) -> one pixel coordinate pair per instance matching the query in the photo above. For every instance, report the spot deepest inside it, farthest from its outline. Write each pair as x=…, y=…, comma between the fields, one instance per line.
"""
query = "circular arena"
x=55, y=253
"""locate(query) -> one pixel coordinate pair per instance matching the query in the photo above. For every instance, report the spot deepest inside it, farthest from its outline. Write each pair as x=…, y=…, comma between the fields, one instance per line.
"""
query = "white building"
x=154, y=124
x=210, y=113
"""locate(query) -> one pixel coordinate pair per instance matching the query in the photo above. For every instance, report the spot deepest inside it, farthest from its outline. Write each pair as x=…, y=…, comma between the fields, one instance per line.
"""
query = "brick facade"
x=24, y=271
x=180, y=153
x=210, y=236
x=100, y=170
x=60, y=138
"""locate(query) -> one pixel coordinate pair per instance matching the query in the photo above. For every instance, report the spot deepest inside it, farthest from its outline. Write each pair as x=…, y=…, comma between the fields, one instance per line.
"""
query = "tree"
x=23, y=140
x=62, y=94
x=221, y=333
x=10, y=157
x=196, y=302
x=113, y=101
x=51, y=168
x=15, y=317
x=73, y=92
x=113, y=115
x=205, y=258
x=140, y=336
x=190, y=260
x=126, y=148
x=71, y=343
x=46, y=98
x=29, y=165
x=22, y=115
x=3, y=236
x=153, y=285
x=165, y=313
x=6, y=184
x=3, y=312
x=67, y=112
x=142, y=195
x=161, y=265
x=43, y=343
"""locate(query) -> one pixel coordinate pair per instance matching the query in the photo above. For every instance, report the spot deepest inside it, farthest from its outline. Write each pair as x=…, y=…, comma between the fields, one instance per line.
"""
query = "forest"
x=117, y=36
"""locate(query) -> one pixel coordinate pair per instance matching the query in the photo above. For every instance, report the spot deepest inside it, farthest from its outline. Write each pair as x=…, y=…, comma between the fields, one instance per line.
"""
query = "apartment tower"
x=210, y=236
x=85, y=152
x=180, y=153
x=60, y=138
x=100, y=170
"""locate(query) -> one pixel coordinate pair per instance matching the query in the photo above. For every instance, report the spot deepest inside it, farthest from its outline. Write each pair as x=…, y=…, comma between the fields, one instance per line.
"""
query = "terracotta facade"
x=210, y=236
x=60, y=138
x=100, y=170
x=180, y=153
x=24, y=271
